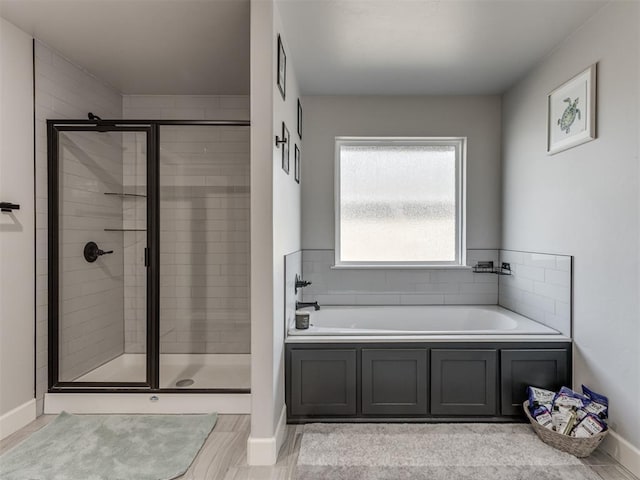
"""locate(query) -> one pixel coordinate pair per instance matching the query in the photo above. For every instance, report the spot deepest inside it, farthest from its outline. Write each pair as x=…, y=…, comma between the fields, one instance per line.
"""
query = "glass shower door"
x=98, y=255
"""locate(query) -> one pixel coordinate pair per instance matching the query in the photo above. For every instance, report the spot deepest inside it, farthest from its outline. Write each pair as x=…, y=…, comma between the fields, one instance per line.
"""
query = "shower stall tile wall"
x=398, y=286
x=64, y=91
x=204, y=227
x=186, y=107
x=91, y=304
x=540, y=288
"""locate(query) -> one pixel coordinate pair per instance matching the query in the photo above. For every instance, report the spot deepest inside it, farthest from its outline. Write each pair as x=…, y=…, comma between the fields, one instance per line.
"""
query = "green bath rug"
x=109, y=447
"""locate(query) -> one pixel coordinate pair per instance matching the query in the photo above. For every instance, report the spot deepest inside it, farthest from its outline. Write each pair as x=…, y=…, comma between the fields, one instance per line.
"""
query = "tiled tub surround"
x=540, y=288
x=372, y=286
x=292, y=267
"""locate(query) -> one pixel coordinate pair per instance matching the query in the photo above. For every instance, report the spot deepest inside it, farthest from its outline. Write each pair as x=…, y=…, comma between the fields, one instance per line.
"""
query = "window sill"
x=401, y=267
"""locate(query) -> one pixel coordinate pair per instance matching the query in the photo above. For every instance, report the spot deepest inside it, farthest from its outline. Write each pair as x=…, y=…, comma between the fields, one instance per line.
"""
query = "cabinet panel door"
x=546, y=368
x=394, y=381
x=323, y=382
x=463, y=382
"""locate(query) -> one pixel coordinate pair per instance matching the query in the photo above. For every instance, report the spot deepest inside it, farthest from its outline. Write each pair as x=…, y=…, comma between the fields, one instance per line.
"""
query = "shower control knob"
x=92, y=252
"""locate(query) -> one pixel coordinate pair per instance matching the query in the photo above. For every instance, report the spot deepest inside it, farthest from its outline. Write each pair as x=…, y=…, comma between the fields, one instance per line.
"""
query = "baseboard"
x=264, y=451
x=625, y=454
x=15, y=419
x=167, y=403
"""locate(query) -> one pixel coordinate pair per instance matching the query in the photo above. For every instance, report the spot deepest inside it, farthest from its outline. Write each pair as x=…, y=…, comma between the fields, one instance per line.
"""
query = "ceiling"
x=195, y=47
x=426, y=47
x=337, y=47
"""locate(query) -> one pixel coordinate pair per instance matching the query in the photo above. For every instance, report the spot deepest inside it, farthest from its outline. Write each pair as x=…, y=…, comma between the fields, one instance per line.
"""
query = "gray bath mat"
x=432, y=452
x=109, y=447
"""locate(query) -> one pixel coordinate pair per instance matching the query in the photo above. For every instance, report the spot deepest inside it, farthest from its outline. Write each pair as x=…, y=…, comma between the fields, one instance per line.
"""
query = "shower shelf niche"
x=488, y=267
x=116, y=194
x=125, y=229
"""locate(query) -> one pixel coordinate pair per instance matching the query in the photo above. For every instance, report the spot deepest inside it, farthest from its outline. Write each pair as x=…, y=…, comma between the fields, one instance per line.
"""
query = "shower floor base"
x=177, y=370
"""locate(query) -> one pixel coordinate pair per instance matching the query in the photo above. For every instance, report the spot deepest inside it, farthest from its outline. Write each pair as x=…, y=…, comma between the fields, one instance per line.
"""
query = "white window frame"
x=460, y=144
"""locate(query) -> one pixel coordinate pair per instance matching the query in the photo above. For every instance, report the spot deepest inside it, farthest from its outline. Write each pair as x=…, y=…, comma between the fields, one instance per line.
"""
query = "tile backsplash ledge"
x=397, y=287
x=540, y=288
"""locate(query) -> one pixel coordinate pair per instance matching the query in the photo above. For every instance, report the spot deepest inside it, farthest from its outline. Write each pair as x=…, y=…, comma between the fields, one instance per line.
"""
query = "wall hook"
x=280, y=141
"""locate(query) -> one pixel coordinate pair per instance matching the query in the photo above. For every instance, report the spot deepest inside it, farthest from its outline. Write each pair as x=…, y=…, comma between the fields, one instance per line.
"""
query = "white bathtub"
x=441, y=320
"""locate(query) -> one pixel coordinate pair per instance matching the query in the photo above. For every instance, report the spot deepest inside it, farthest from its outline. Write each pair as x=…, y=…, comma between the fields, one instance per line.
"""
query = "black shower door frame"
x=152, y=254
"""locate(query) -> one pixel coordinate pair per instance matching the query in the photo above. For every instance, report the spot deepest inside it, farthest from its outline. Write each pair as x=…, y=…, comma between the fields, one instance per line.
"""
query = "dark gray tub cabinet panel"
x=419, y=381
x=394, y=382
x=544, y=368
x=325, y=382
x=464, y=382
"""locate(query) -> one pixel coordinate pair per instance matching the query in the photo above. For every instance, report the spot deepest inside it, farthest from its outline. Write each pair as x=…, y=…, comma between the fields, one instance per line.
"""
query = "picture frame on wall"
x=285, y=148
x=571, y=112
x=299, y=119
x=282, y=68
x=296, y=164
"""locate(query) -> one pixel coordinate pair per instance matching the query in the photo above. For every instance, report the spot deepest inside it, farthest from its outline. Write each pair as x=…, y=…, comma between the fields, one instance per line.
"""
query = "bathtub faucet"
x=307, y=304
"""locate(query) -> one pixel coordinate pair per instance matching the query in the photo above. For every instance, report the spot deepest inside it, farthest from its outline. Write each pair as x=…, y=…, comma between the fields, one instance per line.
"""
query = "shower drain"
x=185, y=382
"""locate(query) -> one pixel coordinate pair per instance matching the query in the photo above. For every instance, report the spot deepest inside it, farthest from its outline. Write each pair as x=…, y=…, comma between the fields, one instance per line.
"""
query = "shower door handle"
x=146, y=257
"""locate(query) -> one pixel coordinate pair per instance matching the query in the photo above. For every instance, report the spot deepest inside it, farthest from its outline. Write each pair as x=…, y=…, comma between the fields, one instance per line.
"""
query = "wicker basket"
x=580, y=447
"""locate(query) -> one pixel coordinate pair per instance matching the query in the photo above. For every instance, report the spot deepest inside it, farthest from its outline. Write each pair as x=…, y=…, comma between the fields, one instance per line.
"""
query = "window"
x=399, y=201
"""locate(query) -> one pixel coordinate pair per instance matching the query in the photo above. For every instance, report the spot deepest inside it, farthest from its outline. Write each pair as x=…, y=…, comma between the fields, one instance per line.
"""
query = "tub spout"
x=307, y=304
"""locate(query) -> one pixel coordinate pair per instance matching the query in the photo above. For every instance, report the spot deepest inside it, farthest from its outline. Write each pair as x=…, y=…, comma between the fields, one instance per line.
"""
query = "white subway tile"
x=538, y=301
x=563, y=263
x=471, y=299
x=512, y=257
x=539, y=260
x=558, y=277
x=377, y=299
x=529, y=272
x=479, y=288
x=437, y=288
x=422, y=299
x=556, y=292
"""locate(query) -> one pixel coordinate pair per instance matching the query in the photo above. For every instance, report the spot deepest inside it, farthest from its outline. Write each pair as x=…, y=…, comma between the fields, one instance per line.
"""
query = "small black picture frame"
x=285, y=148
x=282, y=68
x=299, y=119
x=296, y=165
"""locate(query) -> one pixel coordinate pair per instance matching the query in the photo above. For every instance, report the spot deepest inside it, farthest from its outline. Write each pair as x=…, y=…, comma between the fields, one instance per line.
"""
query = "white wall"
x=275, y=230
x=584, y=202
x=476, y=117
x=17, y=311
x=286, y=202
x=262, y=278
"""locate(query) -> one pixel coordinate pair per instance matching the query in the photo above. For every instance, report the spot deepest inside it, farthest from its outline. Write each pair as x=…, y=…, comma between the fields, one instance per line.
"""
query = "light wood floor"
x=224, y=454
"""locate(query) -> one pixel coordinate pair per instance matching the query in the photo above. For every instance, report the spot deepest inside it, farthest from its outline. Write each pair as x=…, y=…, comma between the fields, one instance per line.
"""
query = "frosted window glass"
x=398, y=203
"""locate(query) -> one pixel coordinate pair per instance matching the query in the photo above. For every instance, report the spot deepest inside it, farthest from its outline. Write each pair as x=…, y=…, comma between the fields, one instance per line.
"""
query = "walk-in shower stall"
x=148, y=256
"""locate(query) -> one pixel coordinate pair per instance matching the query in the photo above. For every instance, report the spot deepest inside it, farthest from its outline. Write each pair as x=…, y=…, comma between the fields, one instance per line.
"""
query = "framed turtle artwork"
x=571, y=112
